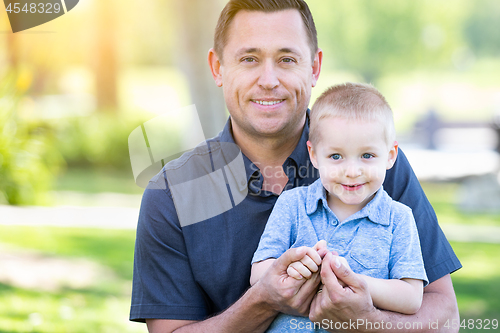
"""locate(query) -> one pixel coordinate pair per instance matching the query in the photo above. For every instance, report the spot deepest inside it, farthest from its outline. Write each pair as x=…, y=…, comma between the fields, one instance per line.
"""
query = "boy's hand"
x=307, y=265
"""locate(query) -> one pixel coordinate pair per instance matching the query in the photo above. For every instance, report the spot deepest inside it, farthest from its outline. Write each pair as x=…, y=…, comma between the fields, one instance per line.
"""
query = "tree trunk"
x=106, y=58
x=196, y=27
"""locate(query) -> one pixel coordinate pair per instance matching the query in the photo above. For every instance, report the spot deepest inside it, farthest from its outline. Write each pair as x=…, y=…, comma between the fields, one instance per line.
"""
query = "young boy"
x=352, y=144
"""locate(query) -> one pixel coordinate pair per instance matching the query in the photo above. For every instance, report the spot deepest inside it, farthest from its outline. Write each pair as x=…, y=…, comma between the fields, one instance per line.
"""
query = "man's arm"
x=353, y=304
x=275, y=292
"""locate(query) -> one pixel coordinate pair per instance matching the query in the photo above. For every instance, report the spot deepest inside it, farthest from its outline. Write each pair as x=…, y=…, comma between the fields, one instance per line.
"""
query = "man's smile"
x=268, y=102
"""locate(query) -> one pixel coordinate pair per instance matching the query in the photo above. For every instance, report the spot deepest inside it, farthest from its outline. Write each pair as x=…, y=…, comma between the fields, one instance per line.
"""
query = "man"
x=194, y=277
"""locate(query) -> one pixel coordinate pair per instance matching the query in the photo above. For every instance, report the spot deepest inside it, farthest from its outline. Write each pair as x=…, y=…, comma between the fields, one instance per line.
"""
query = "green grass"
x=101, y=307
x=476, y=284
x=111, y=248
x=96, y=181
x=104, y=306
x=443, y=197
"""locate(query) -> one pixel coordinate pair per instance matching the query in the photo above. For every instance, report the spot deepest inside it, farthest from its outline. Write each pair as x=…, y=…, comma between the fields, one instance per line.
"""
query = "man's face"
x=267, y=73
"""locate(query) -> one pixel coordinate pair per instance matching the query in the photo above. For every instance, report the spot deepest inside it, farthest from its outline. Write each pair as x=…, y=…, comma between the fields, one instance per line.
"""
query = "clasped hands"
x=318, y=284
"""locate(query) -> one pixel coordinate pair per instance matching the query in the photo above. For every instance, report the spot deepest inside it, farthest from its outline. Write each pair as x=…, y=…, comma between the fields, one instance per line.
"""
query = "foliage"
x=99, y=140
x=380, y=37
x=86, y=180
x=28, y=163
x=482, y=30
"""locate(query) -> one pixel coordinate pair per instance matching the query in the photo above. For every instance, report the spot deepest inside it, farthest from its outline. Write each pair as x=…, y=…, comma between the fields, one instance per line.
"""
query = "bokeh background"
x=73, y=89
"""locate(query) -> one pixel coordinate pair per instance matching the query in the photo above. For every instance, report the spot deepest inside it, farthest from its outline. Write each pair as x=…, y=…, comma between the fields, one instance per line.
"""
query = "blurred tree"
x=106, y=57
x=28, y=160
x=12, y=46
x=482, y=28
x=378, y=37
x=196, y=24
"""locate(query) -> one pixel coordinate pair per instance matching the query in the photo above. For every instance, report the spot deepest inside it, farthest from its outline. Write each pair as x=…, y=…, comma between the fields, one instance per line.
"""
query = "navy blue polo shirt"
x=196, y=263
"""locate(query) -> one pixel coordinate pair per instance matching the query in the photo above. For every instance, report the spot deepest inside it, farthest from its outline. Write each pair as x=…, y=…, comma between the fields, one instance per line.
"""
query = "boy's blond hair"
x=352, y=101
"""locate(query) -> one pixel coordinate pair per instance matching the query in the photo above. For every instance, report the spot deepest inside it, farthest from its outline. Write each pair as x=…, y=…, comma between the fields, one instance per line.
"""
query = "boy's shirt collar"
x=376, y=210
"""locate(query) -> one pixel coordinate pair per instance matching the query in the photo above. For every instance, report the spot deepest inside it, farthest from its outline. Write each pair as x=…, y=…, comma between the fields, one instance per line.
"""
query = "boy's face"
x=352, y=158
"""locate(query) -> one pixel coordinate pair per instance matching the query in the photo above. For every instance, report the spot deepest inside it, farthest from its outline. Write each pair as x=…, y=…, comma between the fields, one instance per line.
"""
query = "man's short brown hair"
x=267, y=6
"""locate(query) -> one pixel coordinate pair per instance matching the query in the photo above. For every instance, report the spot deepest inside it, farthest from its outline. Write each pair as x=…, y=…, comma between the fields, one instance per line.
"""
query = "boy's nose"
x=353, y=170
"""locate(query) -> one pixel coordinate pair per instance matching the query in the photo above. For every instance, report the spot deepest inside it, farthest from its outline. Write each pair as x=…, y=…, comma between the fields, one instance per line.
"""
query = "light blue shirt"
x=380, y=240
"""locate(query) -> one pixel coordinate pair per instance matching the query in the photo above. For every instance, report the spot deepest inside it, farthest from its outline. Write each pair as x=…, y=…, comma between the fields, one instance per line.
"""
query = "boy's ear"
x=312, y=154
x=393, y=154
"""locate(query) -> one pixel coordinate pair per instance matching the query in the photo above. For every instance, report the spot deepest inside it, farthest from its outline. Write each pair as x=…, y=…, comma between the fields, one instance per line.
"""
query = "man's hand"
x=337, y=303
x=306, y=266
x=285, y=293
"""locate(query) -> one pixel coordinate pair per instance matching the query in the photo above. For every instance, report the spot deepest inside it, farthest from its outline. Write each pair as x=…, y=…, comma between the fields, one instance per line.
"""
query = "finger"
x=309, y=263
x=294, y=273
x=343, y=261
x=328, y=277
x=344, y=272
x=307, y=292
x=301, y=269
x=291, y=255
x=313, y=254
x=320, y=247
x=318, y=302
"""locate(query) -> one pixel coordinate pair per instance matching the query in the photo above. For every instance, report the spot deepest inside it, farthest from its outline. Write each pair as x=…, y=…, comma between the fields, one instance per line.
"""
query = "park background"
x=73, y=89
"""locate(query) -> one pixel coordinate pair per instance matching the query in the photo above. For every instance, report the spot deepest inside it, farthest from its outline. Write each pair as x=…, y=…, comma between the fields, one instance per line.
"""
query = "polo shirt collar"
x=376, y=210
x=299, y=155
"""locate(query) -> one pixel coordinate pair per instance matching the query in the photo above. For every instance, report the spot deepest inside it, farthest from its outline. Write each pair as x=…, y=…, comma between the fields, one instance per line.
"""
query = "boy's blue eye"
x=336, y=157
x=366, y=155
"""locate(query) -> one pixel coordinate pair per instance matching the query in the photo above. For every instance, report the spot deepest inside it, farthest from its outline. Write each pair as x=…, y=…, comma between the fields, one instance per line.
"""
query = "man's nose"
x=268, y=78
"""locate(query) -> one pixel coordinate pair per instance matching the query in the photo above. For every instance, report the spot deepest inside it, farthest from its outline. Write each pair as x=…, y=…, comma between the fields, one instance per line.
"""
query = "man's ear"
x=312, y=154
x=316, y=67
x=393, y=154
x=215, y=67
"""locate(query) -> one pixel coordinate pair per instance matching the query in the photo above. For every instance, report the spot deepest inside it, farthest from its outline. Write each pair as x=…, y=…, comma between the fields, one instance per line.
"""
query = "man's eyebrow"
x=289, y=50
x=247, y=50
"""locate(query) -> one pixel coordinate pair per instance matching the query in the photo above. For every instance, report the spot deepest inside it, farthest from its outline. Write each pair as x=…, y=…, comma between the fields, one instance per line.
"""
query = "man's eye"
x=288, y=60
x=248, y=60
x=367, y=156
x=336, y=157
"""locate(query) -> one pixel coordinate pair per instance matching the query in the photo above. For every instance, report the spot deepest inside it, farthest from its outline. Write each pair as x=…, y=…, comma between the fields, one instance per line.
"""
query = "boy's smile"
x=352, y=158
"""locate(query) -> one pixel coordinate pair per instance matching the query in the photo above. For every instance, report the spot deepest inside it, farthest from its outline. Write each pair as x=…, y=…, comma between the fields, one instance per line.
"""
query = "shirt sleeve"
x=402, y=185
x=277, y=235
x=163, y=284
x=405, y=260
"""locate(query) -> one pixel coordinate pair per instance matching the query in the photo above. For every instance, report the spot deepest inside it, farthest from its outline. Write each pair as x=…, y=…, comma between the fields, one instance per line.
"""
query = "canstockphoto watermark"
x=205, y=177
x=359, y=324
x=24, y=14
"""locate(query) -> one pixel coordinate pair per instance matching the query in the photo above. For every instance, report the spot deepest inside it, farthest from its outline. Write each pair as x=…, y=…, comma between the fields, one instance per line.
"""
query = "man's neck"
x=269, y=154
